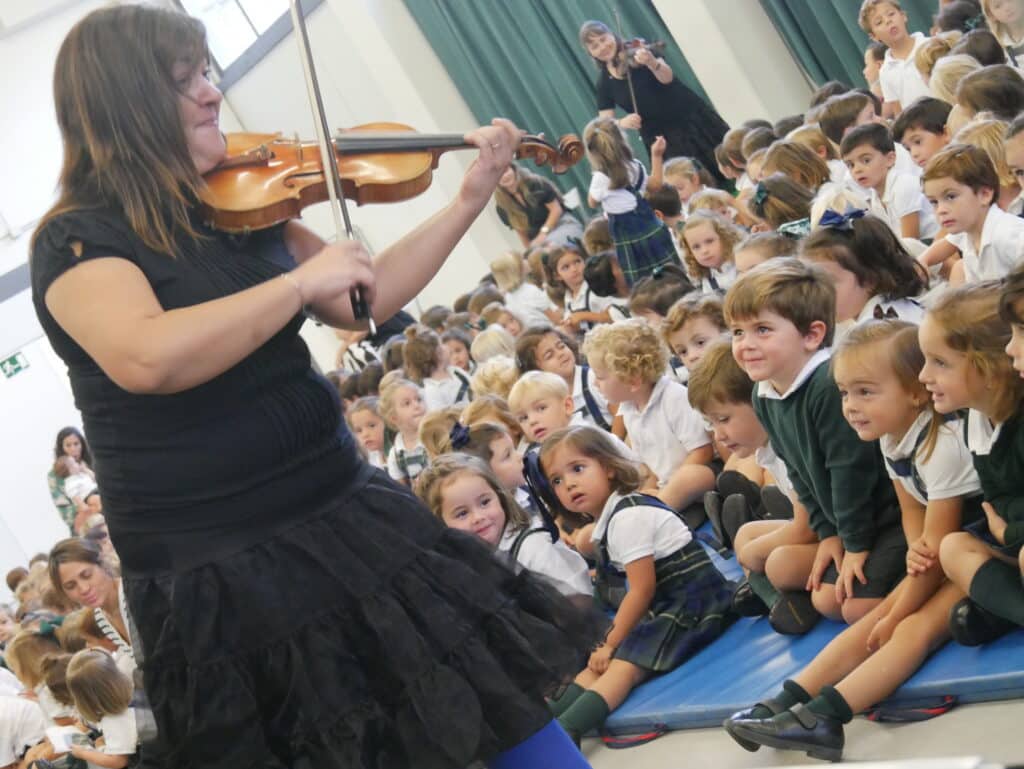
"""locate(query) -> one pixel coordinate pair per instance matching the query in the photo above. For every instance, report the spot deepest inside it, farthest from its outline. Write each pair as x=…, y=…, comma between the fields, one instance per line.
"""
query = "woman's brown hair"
x=124, y=145
x=75, y=550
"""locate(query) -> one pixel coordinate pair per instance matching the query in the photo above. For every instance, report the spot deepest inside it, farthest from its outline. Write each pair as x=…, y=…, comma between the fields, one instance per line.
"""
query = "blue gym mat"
x=750, y=661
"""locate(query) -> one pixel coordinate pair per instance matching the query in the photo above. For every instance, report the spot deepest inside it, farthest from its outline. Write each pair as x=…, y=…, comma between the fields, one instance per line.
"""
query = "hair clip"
x=48, y=628
x=459, y=435
x=833, y=220
x=760, y=194
x=657, y=272
x=975, y=22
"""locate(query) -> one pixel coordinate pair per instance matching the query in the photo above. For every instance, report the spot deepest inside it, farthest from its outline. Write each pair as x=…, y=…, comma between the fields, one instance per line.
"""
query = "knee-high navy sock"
x=996, y=587
x=550, y=748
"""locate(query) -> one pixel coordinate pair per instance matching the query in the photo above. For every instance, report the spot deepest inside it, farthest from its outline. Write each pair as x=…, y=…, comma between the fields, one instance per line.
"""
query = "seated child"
x=541, y=403
x=693, y=324
x=491, y=342
x=401, y=405
x=583, y=308
x=426, y=363
x=25, y=655
x=799, y=162
x=527, y=302
x=367, y=425
x=812, y=137
x=652, y=297
x=495, y=376
x=708, y=241
x=605, y=278
x=497, y=314
x=990, y=135
x=966, y=336
x=873, y=274
x=463, y=492
x=884, y=21
x=685, y=176
x=894, y=197
x=721, y=202
x=458, y=342
x=877, y=368
x=628, y=360
x=961, y=183
x=79, y=487
x=783, y=205
x=921, y=128
x=782, y=316
x=103, y=697
x=760, y=247
x=677, y=601
x=435, y=430
x=841, y=114
x=551, y=350
x=24, y=727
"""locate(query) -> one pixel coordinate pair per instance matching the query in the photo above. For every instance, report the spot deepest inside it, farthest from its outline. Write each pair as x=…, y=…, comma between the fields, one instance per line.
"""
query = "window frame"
x=264, y=44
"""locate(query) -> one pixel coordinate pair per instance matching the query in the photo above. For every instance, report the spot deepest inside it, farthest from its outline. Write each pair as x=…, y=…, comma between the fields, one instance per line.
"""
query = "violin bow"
x=625, y=61
x=342, y=222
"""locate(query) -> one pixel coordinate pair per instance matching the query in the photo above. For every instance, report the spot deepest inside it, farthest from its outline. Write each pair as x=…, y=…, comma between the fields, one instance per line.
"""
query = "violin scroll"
x=561, y=158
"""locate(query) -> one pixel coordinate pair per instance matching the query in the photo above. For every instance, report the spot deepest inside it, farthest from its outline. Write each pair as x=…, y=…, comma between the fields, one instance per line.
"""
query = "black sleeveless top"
x=223, y=465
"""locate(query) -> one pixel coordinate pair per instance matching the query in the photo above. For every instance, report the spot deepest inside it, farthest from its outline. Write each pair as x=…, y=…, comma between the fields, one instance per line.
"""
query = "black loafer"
x=972, y=625
x=713, y=510
x=731, y=482
x=795, y=729
x=777, y=506
x=747, y=603
x=735, y=512
x=793, y=613
x=747, y=714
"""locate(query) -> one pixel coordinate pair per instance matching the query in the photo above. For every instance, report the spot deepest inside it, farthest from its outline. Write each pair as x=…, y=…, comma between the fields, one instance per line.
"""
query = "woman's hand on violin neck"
x=333, y=271
x=497, y=144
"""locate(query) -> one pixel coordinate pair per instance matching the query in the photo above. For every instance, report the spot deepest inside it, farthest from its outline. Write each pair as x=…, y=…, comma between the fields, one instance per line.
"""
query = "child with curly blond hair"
x=628, y=361
x=708, y=240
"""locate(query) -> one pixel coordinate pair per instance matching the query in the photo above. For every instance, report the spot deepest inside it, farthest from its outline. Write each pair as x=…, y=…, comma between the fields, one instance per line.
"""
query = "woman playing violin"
x=663, y=106
x=294, y=607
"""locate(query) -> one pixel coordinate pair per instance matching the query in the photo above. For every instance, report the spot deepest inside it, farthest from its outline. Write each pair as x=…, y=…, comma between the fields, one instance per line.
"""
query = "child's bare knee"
x=953, y=546
x=824, y=600
x=854, y=609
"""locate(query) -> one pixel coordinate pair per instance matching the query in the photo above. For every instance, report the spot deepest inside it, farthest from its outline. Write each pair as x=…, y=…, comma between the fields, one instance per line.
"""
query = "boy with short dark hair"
x=963, y=186
x=896, y=198
x=885, y=22
x=921, y=128
x=841, y=114
x=782, y=316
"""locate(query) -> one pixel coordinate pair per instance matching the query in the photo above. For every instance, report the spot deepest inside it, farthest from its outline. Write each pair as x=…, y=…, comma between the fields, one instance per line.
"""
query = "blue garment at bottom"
x=550, y=748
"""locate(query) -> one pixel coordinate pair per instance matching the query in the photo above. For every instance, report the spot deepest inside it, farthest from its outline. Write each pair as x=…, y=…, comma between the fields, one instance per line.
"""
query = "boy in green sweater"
x=782, y=318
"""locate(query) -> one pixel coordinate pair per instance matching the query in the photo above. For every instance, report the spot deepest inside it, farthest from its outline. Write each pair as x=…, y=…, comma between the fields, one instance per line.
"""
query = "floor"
x=993, y=730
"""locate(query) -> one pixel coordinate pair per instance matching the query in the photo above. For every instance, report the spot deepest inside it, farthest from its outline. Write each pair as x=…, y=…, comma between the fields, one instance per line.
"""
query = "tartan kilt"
x=642, y=242
x=692, y=606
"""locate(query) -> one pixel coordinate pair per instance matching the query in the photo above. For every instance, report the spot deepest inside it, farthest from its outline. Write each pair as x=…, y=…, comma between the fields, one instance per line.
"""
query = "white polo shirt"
x=903, y=196
x=903, y=309
x=442, y=393
x=949, y=471
x=666, y=430
x=639, y=531
x=620, y=200
x=554, y=561
x=585, y=300
x=900, y=79
x=724, y=277
x=579, y=403
x=528, y=303
x=1002, y=238
x=22, y=725
x=767, y=459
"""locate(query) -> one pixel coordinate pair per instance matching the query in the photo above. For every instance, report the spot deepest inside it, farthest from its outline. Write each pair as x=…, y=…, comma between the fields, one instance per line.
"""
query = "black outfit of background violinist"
x=664, y=106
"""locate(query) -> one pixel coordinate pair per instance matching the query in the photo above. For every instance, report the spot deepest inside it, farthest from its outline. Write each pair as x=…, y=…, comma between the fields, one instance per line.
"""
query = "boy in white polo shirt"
x=885, y=22
x=628, y=360
x=962, y=184
x=896, y=198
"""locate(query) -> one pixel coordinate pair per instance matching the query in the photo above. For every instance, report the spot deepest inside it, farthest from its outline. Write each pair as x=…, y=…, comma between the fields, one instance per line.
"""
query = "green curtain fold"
x=523, y=60
x=825, y=38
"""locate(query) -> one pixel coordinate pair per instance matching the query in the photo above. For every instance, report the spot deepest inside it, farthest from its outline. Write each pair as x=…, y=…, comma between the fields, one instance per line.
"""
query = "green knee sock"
x=588, y=712
x=997, y=587
x=831, y=704
x=560, y=704
x=763, y=588
x=792, y=694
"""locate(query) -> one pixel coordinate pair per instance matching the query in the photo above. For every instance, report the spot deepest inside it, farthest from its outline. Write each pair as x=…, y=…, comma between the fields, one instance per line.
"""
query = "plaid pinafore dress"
x=642, y=242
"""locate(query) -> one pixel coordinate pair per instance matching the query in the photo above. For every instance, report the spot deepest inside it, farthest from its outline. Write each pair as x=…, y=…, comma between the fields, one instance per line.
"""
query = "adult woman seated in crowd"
x=533, y=207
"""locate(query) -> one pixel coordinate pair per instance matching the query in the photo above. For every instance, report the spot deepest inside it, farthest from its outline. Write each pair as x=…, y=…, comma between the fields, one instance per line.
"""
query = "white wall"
x=735, y=51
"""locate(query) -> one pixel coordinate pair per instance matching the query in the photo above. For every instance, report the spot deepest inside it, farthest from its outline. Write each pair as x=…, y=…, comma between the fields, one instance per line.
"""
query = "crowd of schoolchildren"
x=827, y=364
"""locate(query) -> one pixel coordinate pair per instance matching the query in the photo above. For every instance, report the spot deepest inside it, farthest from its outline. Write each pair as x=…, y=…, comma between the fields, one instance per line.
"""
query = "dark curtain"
x=825, y=38
x=523, y=60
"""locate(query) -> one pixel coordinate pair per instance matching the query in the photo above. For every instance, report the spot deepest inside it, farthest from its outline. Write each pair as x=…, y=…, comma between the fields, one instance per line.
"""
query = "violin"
x=631, y=47
x=266, y=179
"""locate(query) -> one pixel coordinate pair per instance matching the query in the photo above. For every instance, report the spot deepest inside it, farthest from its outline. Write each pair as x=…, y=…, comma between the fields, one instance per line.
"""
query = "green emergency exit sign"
x=14, y=364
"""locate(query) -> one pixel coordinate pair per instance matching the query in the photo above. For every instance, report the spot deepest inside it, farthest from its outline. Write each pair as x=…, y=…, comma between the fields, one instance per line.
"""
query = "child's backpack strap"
x=588, y=398
x=463, y=387
x=517, y=544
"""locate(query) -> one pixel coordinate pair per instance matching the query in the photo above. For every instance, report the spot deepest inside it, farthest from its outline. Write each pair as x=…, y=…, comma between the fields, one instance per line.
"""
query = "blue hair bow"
x=833, y=220
x=975, y=22
x=459, y=435
x=760, y=194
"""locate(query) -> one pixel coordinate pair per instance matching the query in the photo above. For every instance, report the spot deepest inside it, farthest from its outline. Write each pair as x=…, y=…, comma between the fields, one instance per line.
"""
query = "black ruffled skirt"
x=368, y=635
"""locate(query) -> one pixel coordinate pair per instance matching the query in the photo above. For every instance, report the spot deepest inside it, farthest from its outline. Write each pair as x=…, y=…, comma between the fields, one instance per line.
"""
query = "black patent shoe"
x=793, y=613
x=713, y=510
x=747, y=714
x=735, y=512
x=777, y=506
x=747, y=603
x=795, y=729
x=731, y=482
x=972, y=625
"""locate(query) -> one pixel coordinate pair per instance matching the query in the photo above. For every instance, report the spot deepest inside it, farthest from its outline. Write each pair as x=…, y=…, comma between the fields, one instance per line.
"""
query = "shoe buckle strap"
x=807, y=718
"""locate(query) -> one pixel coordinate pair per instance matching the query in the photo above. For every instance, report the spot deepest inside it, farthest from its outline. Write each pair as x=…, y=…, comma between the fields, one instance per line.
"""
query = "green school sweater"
x=1001, y=473
x=839, y=478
